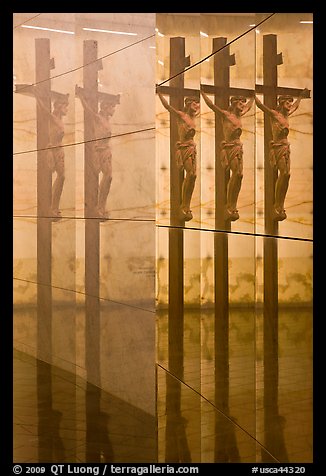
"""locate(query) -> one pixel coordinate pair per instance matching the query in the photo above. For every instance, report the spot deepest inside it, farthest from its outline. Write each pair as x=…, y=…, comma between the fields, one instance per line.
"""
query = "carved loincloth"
x=230, y=151
x=102, y=156
x=184, y=151
x=278, y=150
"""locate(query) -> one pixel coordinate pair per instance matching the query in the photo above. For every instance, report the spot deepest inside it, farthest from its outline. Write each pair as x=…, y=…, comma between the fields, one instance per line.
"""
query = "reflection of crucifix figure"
x=102, y=155
x=50, y=131
x=185, y=149
x=56, y=151
x=97, y=132
x=231, y=154
x=279, y=149
x=53, y=149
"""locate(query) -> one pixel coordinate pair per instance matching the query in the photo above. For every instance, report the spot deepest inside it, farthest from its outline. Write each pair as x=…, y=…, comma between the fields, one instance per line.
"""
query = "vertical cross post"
x=43, y=66
x=178, y=62
x=92, y=241
x=90, y=80
x=92, y=226
x=270, y=62
x=222, y=63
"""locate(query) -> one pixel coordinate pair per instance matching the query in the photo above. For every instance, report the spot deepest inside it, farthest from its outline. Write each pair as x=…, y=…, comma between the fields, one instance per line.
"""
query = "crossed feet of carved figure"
x=231, y=215
x=279, y=214
x=185, y=214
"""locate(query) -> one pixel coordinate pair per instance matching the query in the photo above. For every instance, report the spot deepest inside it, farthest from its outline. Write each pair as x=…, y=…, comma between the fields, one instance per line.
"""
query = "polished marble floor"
x=60, y=417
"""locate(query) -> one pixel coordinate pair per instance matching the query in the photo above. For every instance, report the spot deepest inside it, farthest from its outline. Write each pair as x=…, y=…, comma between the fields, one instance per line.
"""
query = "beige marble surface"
x=109, y=336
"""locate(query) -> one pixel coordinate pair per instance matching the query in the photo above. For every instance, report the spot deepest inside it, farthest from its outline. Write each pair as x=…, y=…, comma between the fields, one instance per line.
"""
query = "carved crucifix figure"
x=55, y=154
x=186, y=149
x=231, y=154
x=102, y=154
x=279, y=147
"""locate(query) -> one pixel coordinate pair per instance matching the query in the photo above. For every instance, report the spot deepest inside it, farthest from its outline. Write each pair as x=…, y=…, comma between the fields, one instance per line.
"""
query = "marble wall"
x=93, y=284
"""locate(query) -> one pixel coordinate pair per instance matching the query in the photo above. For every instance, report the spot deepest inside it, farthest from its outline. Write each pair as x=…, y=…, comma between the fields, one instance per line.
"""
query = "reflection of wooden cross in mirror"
x=271, y=59
x=91, y=97
x=42, y=90
x=177, y=93
x=222, y=92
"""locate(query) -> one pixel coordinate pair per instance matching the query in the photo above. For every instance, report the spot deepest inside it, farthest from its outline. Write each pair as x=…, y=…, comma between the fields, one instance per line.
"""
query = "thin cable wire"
x=145, y=39
x=225, y=415
x=163, y=82
x=84, y=65
x=243, y=233
x=214, y=52
x=84, y=142
x=29, y=19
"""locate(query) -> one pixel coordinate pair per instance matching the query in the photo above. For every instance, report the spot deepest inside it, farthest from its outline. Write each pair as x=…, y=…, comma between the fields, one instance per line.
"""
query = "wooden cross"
x=270, y=90
x=177, y=93
x=222, y=92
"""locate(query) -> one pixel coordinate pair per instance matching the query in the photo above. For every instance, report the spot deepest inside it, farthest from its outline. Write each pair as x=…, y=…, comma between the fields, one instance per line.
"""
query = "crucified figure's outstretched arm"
x=168, y=107
x=212, y=106
x=263, y=107
x=81, y=95
x=304, y=93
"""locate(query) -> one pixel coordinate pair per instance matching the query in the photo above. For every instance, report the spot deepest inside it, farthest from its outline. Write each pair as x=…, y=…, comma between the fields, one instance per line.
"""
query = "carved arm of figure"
x=213, y=106
x=41, y=103
x=168, y=107
x=263, y=107
x=303, y=94
x=248, y=106
x=79, y=92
